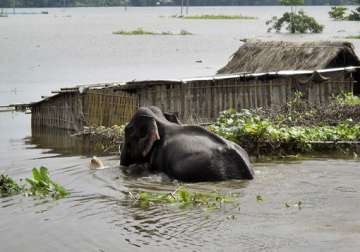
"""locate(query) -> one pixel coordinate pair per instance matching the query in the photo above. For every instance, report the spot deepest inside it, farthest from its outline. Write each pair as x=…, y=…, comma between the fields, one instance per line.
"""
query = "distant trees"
x=339, y=13
x=294, y=21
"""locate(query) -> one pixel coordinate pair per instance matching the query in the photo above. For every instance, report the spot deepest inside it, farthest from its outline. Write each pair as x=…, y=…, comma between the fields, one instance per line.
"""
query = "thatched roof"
x=261, y=56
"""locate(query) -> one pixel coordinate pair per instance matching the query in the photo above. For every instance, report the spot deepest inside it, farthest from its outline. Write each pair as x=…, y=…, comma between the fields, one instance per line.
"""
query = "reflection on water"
x=62, y=142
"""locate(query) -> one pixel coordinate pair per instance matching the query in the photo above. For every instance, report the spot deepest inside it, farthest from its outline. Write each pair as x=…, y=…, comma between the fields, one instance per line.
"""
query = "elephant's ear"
x=172, y=117
x=150, y=136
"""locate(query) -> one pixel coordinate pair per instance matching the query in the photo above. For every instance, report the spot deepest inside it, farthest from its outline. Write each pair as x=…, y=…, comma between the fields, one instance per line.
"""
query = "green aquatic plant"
x=353, y=37
x=182, y=197
x=8, y=186
x=217, y=17
x=42, y=185
x=348, y=98
x=141, y=31
x=256, y=133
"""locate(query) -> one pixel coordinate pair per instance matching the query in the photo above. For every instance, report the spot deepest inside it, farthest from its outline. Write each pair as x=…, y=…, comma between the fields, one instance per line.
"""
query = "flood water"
x=40, y=53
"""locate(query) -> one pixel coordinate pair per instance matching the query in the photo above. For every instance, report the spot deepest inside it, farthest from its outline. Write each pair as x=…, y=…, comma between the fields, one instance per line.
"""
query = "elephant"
x=184, y=152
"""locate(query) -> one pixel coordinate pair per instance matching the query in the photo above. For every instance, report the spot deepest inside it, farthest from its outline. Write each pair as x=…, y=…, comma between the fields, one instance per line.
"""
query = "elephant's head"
x=141, y=134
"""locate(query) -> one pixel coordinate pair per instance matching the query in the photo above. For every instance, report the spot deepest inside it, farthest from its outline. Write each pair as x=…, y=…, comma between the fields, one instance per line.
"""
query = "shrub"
x=295, y=22
x=338, y=13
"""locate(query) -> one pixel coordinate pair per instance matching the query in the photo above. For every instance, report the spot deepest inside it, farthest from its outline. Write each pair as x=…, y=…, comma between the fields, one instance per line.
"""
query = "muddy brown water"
x=40, y=53
x=307, y=205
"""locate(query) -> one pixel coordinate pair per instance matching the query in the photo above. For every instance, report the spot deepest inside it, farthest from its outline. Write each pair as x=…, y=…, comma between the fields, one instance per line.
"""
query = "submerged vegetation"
x=107, y=139
x=298, y=128
x=217, y=17
x=8, y=186
x=295, y=22
x=353, y=37
x=141, y=31
x=339, y=13
x=39, y=185
x=181, y=197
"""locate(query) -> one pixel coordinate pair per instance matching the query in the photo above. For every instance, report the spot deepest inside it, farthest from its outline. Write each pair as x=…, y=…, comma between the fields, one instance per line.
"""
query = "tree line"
x=78, y=3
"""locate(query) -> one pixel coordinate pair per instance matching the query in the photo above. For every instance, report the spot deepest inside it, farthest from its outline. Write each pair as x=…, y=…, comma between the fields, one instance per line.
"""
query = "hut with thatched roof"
x=260, y=74
x=272, y=56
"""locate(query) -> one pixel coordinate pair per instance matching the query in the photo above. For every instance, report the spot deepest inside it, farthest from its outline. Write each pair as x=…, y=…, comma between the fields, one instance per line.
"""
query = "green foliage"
x=295, y=22
x=217, y=17
x=181, y=197
x=353, y=37
x=258, y=133
x=42, y=185
x=354, y=15
x=292, y=2
x=140, y=31
x=8, y=186
x=348, y=99
x=338, y=13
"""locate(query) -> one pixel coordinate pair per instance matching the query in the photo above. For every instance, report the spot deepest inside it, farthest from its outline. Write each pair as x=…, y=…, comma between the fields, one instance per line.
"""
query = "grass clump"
x=353, y=37
x=181, y=197
x=141, y=31
x=8, y=186
x=39, y=185
x=217, y=17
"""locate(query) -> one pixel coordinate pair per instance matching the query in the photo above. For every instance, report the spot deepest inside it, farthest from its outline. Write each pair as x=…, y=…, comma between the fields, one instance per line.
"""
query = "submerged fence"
x=73, y=111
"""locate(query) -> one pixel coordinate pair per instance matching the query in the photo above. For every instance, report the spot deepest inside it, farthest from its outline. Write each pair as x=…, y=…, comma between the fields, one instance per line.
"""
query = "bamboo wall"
x=62, y=111
x=107, y=108
x=196, y=101
x=203, y=100
x=73, y=111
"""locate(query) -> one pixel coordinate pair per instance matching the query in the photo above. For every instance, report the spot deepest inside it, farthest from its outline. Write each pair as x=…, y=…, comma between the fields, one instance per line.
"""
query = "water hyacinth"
x=256, y=133
x=8, y=186
x=39, y=185
x=181, y=197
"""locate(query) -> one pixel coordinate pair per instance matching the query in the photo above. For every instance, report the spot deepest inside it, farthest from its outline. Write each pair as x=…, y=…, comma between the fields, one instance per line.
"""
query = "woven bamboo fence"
x=73, y=111
x=104, y=107
x=201, y=101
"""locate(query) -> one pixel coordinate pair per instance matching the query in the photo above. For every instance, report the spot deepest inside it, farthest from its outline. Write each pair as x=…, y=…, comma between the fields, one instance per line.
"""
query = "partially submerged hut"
x=268, y=56
x=195, y=100
x=260, y=74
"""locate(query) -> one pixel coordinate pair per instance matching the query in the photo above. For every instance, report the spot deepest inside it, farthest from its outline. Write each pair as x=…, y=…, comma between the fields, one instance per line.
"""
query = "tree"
x=338, y=13
x=295, y=21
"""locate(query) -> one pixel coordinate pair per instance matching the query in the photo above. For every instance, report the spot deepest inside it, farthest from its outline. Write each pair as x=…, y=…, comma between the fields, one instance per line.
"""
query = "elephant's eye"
x=142, y=132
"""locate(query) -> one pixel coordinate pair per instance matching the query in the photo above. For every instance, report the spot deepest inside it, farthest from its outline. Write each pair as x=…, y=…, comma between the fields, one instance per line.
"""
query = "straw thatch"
x=261, y=56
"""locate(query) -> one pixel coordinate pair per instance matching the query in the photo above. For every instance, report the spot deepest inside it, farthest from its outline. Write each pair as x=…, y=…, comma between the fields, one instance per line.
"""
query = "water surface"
x=40, y=53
